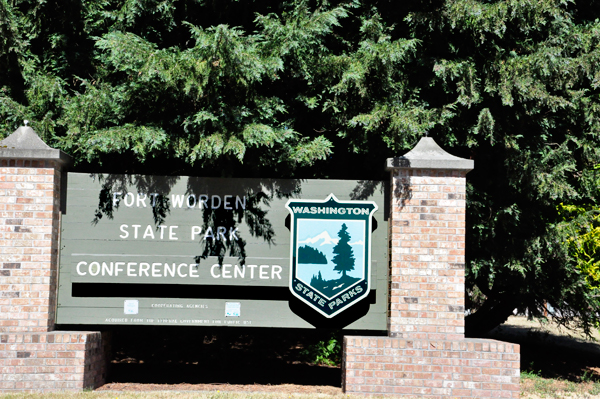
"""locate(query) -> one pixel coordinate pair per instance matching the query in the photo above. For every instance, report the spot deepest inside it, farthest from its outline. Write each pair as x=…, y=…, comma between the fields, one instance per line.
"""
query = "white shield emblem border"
x=324, y=299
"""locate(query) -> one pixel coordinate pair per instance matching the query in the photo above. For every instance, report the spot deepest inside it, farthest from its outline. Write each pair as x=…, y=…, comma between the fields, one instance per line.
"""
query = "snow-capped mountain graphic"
x=318, y=235
x=324, y=237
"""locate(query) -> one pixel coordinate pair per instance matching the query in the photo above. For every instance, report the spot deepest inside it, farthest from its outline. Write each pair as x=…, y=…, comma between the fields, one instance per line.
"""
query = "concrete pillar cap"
x=24, y=143
x=427, y=154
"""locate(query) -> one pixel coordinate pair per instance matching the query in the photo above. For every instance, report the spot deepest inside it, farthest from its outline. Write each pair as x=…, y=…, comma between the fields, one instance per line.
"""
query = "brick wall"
x=29, y=223
x=427, y=277
x=51, y=361
x=467, y=368
x=32, y=356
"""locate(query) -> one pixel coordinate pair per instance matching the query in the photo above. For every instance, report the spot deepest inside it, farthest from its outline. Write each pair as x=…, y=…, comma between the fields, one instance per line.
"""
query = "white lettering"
x=191, y=204
x=118, y=267
x=196, y=230
x=226, y=204
x=79, y=271
x=141, y=198
x=97, y=268
x=264, y=274
x=239, y=201
x=172, y=235
x=135, y=230
x=149, y=232
x=144, y=269
x=240, y=271
x=212, y=202
x=129, y=200
x=212, y=271
x=125, y=232
x=276, y=271
x=116, y=198
x=170, y=270
x=106, y=270
x=177, y=200
x=203, y=203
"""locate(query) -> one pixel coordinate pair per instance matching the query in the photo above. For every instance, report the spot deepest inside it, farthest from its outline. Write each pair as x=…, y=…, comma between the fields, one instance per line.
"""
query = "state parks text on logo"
x=330, y=252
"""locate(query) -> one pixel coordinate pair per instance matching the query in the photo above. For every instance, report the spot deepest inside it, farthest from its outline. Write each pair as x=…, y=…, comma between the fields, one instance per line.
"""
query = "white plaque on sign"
x=232, y=309
x=131, y=306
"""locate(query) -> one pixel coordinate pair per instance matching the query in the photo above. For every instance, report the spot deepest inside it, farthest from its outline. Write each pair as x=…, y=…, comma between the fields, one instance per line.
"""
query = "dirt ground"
x=273, y=361
x=552, y=352
x=219, y=360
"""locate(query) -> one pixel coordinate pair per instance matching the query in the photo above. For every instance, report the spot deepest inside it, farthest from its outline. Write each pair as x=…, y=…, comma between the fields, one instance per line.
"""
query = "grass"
x=533, y=385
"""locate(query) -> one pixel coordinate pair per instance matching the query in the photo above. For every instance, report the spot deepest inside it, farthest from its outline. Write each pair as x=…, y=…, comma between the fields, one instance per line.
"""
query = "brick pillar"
x=426, y=352
x=427, y=229
x=32, y=355
x=29, y=220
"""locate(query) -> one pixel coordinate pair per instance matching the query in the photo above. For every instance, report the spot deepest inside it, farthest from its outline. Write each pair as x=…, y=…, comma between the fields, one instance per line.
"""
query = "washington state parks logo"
x=330, y=252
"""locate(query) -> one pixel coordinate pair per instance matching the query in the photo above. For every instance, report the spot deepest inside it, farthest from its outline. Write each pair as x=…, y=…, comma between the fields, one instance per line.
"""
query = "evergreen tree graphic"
x=344, y=255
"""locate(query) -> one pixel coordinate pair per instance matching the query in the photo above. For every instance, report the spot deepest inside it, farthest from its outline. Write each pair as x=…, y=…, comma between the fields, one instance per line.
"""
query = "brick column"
x=426, y=352
x=427, y=277
x=32, y=355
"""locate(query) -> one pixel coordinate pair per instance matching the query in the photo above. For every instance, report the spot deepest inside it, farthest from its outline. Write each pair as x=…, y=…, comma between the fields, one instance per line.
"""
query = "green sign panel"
x=154, y=250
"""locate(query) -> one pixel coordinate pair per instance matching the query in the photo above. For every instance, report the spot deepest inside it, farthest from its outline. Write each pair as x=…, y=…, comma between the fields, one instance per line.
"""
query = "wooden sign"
x=154, y=250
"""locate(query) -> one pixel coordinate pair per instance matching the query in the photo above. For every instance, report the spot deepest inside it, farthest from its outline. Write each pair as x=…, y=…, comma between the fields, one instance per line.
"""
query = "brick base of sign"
x=52, y=361
x=465, y=368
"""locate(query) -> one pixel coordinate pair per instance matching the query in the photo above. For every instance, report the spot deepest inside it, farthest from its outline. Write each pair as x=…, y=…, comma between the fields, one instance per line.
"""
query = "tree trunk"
x=493, y=313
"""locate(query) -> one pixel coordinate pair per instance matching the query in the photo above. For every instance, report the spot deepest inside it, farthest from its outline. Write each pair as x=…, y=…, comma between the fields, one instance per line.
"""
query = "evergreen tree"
x=295, y=89
x=343, y=253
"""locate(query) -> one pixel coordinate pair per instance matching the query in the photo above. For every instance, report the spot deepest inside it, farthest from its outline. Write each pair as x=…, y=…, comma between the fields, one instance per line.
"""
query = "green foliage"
x=584, y=242
x=327, y=351
x=587, y=376
x=313, y=88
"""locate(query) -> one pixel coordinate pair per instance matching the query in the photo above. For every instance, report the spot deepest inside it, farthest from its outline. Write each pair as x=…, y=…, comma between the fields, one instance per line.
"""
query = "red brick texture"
x=466, y=368
x=32, y=357
x=427, y=277
x=426, y=353
x=29, y=223
x=51, y=361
